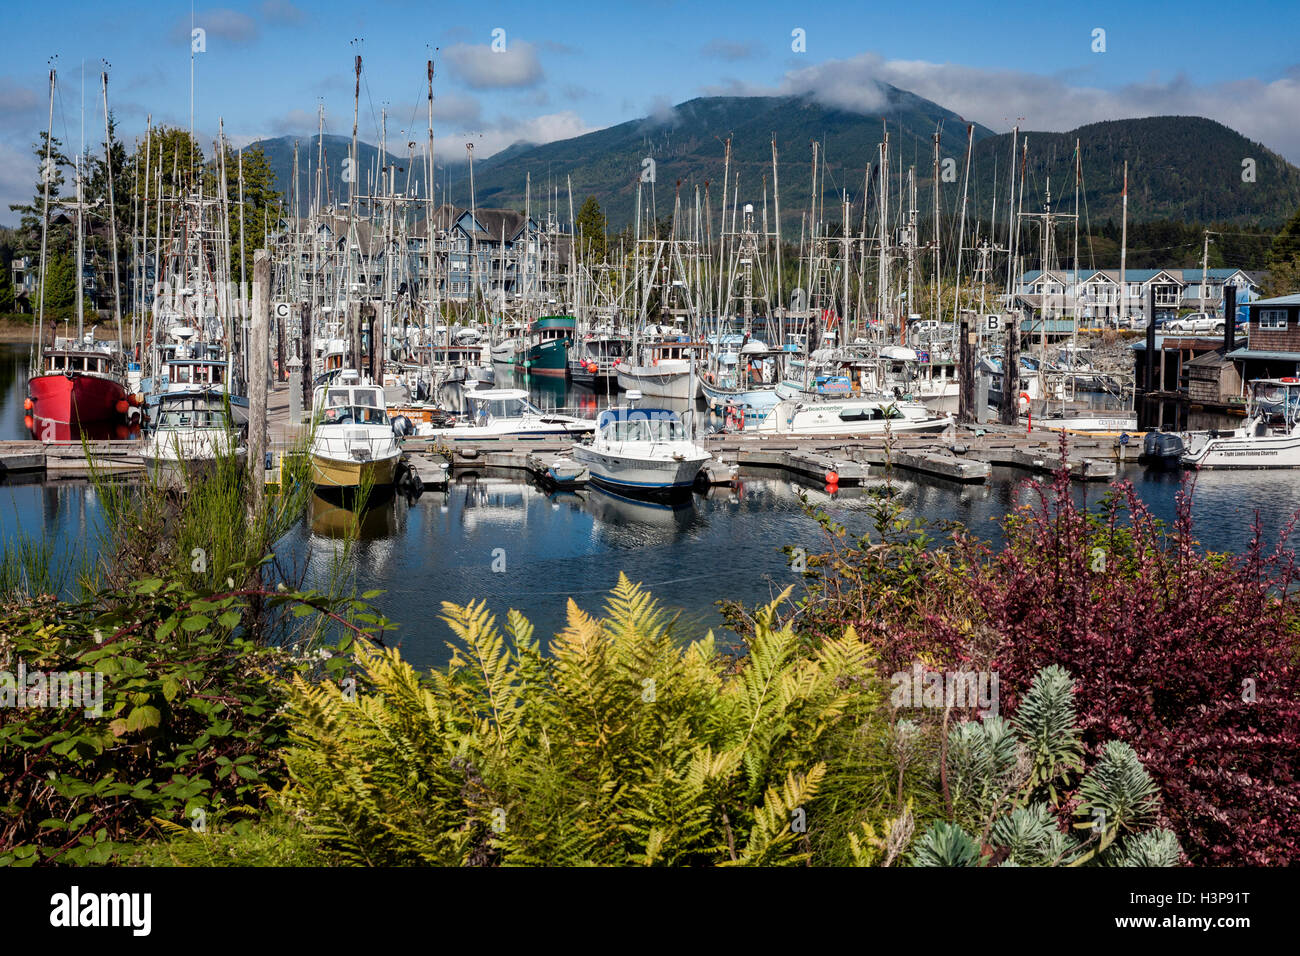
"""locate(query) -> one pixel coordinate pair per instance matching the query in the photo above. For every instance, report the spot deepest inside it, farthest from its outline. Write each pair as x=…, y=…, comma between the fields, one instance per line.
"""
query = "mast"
x=428, y=226
x=935, y=274
x=112, y=213
x=47, y=173
x=352, y=222
x=961, y=235
x=776, y=209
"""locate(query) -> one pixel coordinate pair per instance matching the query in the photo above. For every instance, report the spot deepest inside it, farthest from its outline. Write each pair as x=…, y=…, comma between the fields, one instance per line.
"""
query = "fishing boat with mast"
x=77, y=380
x=191, y=433
x=545, y=350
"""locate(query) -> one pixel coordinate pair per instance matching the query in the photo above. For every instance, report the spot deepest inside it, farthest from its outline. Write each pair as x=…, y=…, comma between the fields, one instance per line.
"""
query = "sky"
x=540, y=71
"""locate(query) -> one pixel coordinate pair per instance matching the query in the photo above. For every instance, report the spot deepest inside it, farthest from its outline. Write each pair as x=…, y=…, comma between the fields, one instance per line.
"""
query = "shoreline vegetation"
x=1095, y=691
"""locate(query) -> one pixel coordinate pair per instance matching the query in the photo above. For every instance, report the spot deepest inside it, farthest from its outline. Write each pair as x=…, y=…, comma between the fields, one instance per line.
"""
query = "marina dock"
x=964, y=454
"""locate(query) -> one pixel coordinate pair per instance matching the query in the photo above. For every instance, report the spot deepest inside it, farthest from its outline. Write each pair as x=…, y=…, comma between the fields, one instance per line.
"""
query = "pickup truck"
x=1197, y=323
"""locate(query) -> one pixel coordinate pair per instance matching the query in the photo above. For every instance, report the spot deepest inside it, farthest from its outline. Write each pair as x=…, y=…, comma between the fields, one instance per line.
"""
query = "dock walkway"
x=962, y=454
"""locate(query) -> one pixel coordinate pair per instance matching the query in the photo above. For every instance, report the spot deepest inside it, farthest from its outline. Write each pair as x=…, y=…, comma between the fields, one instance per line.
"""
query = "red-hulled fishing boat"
x=79, y=384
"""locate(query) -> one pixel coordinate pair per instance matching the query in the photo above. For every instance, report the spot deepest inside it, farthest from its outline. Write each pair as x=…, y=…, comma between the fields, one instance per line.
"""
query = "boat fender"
x=470, y=453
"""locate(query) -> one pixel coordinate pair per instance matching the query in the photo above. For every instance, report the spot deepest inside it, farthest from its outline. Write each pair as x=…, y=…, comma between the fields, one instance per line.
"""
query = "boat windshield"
x=644, y=429
x=355, y=415
x=191, y=418
x=503, y=408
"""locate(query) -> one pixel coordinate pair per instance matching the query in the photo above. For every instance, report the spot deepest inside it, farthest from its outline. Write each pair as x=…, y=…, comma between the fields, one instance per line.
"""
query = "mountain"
x=1180, y=167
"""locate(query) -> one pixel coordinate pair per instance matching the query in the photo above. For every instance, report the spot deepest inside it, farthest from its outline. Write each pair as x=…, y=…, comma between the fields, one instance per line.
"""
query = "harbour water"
x=502, y=539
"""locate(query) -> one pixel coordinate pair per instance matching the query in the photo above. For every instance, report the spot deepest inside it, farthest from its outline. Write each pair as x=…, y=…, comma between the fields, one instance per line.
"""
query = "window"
x=1272, y=318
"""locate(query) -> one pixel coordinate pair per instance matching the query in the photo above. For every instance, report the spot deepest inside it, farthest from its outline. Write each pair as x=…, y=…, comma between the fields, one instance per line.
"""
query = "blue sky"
x=571, y=67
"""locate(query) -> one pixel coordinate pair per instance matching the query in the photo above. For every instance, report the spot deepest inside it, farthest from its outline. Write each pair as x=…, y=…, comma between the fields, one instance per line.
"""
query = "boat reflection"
x=331, y=519
x=611, y=508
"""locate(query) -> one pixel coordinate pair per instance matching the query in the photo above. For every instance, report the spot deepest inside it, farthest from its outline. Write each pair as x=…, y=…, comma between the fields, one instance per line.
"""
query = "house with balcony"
x=1097, y=298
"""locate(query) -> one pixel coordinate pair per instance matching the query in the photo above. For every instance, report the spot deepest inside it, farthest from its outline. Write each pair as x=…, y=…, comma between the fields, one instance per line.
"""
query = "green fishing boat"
x=546, y=348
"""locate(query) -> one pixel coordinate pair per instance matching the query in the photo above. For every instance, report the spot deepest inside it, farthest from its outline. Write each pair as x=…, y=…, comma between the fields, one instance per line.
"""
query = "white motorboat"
x=353, y=444
x=642, y=451
x=190, y=433
x=1112, y=423
x=850, y=416
x=504, y=413
x=1270, y=437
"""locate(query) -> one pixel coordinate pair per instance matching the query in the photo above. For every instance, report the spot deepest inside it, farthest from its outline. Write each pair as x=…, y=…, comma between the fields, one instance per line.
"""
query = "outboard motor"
x=403, y=426
x=1163, y=449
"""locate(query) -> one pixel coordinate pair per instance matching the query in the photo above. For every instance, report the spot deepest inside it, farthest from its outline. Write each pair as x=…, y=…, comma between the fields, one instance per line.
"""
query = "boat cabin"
x=184, y=374
x=624, y=424
x=92, y=362
x=351, y=403
x=1275, y=403
x=550, y=328
x=679, y=351
x=870, y=413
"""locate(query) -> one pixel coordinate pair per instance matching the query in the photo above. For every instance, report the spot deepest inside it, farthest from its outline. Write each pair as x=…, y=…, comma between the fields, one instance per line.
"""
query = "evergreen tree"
x=29, y=227
x=263, y=204
x=6, y=288
x=591, y=226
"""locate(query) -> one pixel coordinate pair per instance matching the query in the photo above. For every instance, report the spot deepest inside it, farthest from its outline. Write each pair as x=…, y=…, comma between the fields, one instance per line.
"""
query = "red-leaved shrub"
x=1189, y=657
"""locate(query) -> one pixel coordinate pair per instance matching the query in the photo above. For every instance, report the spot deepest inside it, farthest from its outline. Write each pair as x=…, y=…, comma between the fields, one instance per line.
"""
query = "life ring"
x=1024, y=397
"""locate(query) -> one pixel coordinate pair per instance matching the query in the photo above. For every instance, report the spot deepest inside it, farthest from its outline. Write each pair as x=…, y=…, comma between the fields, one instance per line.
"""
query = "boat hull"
x=632, y=474
x=549, y=359
x=334, y=473
x=1247, y=452
x=75, y=399
x=169, y=471
x=665, y=380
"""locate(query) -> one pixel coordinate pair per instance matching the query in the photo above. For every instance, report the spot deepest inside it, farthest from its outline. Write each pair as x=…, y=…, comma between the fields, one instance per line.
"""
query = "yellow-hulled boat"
x=354, y=443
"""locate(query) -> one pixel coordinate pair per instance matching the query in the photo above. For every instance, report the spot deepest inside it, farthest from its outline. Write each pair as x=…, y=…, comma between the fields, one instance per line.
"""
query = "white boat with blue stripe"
x=642, y=451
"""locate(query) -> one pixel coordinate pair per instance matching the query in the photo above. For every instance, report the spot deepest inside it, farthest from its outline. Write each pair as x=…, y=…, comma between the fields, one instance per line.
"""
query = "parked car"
x=1197, y=323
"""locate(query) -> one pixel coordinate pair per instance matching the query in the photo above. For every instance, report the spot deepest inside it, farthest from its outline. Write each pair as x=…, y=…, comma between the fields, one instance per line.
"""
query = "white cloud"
x=730, y=50
x=1263, y=110
x=480, y=67
x=218, y=23
x=17, y=180
x=505, y=131
x=20, y=106
x=281, y=11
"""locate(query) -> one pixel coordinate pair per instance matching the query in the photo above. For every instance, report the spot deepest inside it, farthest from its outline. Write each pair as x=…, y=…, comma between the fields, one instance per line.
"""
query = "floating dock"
x=963, y=454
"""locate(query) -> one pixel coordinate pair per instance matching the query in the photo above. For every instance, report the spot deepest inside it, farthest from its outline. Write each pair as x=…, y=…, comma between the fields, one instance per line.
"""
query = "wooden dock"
x=966, y=456
x=963, y=454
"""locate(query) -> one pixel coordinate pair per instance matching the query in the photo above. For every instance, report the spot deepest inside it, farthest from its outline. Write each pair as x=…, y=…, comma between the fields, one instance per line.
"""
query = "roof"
x=1214, y=358
x=1266, y=356
x=628, y=413
x=1292, y=299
